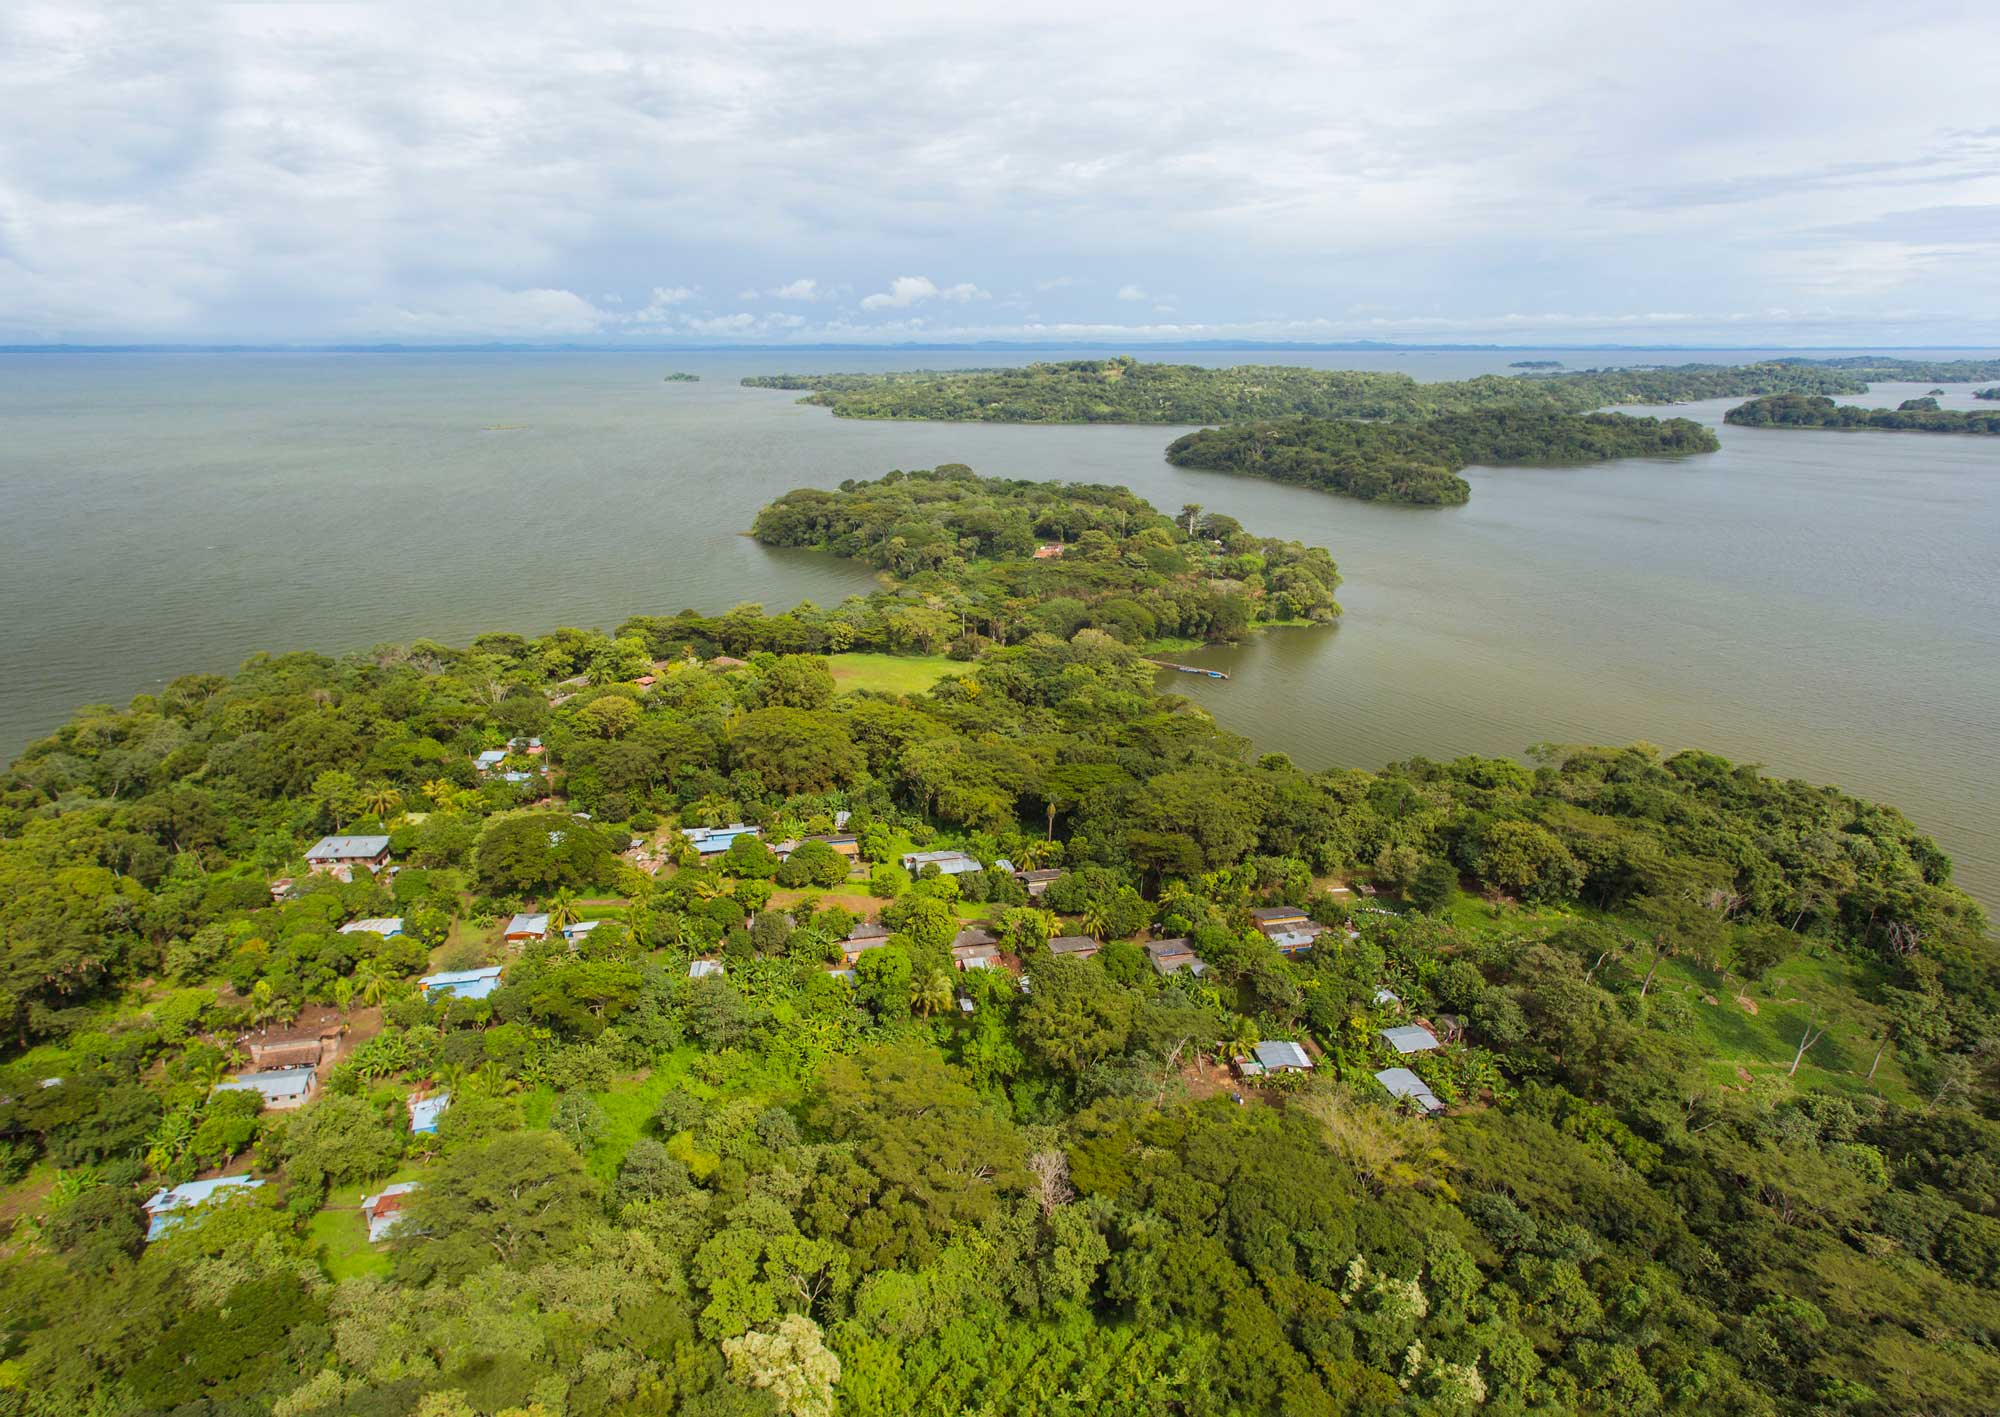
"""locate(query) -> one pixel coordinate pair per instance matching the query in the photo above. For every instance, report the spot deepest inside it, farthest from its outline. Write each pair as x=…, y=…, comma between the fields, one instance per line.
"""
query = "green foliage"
x=1807, y=411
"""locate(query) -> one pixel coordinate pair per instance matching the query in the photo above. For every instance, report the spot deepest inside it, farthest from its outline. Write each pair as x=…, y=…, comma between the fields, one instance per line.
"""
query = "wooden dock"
x=1189, y=669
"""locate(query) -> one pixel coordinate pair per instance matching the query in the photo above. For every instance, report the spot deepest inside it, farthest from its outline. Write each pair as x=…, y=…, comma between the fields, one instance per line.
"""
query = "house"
x=387, y=926
x=975, y=949
x=644, y=681
x=384, y=1211
x=425, y=1109
x=843, y=843
x=1387, y=996
x=948, y=863
x=1291, y=942
x=713, y=841
x=489, y=760
x=1049, y=550
x=705, y=968
x=1275, y=1056
x=1074, y=946
x=282, y=1088
x=295, y=1048
x=1269, y=917
x=1401, y=1083
x=281, y=888
x=865, y=936
x=461, y=983
x=166, y=1209
x=1172, y=956
x=337, y=856
x=576, y=931
x=530, y=746
x=1410, y=1038
x=527, y=926
x=1038, y=881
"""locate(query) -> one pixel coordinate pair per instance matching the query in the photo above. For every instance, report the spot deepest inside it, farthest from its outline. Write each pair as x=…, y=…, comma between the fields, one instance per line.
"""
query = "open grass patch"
x=892, y=673
x=340, y=1231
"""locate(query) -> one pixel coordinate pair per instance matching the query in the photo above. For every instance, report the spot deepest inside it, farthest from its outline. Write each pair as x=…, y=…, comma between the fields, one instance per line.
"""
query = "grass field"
x=342, y=1235
x=892, y=673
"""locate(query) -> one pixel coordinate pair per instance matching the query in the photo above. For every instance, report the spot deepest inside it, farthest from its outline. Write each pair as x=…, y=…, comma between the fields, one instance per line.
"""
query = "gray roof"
x=1401, y=1082
x=1073, y=944
x=348, y=848
x=703, y=968
x=971, y=937
x=275, y=1084
x=1171, y=956
x=1282, y=1054
x=1410, y=1038
x=1265, y=914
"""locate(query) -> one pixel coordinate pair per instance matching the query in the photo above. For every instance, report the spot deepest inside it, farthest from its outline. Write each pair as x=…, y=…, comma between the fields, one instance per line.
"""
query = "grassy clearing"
x=891, y=673
x=341, y=1232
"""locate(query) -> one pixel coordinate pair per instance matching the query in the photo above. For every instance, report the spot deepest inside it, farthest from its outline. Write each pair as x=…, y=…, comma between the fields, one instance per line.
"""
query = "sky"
x=1558, y=173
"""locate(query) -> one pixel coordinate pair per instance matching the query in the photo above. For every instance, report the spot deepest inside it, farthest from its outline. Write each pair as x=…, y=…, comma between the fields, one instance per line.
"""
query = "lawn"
x=892, y=673
x=342, y=1234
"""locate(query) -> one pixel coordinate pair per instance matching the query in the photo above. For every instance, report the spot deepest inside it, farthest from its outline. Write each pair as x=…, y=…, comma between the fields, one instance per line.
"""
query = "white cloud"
x=301, y=172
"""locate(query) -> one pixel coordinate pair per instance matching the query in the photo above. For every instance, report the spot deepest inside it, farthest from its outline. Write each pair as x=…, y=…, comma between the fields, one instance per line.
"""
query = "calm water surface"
x=1827, y=604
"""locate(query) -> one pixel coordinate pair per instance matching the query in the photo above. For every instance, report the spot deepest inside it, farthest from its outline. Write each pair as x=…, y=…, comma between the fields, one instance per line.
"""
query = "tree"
x=1075, y=1016
x=933, y=993
x=561, y=909
x=1435, y=885
x=535, y=853
x=791, y=1363
x=339, y=1140
x=517, y=1199
x=795, y=751
x=813, y=863
x=799, y=681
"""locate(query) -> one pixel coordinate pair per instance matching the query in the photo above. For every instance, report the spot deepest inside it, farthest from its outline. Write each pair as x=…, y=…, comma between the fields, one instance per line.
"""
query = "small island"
x=1536, y=364
x=1992, y=393
x=1913, y=416
x=681, y=377
x=1418, y=462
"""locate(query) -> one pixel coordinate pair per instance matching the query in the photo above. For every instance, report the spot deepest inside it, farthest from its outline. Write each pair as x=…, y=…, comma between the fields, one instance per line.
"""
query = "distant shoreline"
x=1338, y=347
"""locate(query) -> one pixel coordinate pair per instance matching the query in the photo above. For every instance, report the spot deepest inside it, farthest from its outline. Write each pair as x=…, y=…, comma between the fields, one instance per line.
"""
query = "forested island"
x=1009, y=559
x=1124, y=390
x=1536, y=364
x=682, y=378
x=1992, y=393
x=674, y=1021
x=1804, y=411
x=1418, y=462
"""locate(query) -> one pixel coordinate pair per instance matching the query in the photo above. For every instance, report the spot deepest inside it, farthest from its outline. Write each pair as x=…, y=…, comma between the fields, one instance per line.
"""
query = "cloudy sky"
x=1811, y=174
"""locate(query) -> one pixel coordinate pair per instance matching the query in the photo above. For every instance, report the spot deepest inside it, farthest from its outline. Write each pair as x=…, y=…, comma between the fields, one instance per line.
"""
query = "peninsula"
x=1418, y=461
x=1806, y=411
x=1124, y=390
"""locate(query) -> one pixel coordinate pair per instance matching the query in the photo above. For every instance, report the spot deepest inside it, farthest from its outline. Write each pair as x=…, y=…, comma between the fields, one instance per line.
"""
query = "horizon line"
x=1331, y=346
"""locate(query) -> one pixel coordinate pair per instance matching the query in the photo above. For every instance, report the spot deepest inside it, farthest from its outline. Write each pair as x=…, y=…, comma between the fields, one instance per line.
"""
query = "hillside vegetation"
x=1914, y=416
x=1124, y=390
x=1714, y=1051
x=1418, y=462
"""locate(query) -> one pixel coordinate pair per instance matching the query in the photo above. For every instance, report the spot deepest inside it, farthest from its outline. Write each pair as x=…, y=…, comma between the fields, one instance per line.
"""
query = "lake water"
x=1827, y=604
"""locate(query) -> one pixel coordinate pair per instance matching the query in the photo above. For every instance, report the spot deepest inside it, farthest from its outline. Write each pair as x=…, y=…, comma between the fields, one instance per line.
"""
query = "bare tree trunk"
x=1806, y=1040
x=1876, y=1062
x=1647, y=986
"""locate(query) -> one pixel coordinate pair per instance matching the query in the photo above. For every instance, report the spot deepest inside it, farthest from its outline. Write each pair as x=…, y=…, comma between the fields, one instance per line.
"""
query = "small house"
x=1037, y=882
x=169, y=1208
x=728, y=661
x=489, y=760
x=1291, y=942
x=713, y=841
x=706, y=968
x=1402, y=1083
x=281, y=888
x=461, y=983
x=863, y=937
x=1410, y=1038
x=282, y=1089
x=387, y=926
x=384, y=1210
x=1275, y=1056
x=1172, y=956
x=339, y=856
x=577, y=930
x=526, y=926
x=1387, y=997
x=948, y=863
x=1271, y=917
x=530, y=746
x=1074, y=946
x=972, y=937
x=425, y=1109
x=304, y=1047
x=1049, y=551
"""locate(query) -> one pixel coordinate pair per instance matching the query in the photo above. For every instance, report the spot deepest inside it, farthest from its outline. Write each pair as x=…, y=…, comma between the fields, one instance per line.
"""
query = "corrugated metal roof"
x=1401, y=1082
x=1410, y=1038
x=275, y=1083
x=163, y=1205
x=704, y=968
x=348, y=848
x=384, y=925
x=1281, y=1053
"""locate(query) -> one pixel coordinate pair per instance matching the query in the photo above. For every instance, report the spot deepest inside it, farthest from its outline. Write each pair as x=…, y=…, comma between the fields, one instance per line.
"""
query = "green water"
x=1827, y=604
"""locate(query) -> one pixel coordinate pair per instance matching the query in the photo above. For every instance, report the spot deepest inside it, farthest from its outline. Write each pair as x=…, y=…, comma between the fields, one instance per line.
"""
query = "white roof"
x=581, y=927
x=524, y=923
x=1410, y=1038
x=195, y=1192
x=376, y=925
x=273, y=1083
x=348, y=848
x=1401, y=1082
x=491, y=756
x=702, y=968
x=1282, y=1054
x=1386, y=996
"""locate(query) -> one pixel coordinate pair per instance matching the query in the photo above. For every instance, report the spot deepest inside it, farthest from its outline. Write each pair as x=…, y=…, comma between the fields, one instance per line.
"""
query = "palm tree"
x=561, y=908
x=343, y=993
x=370, y=983
x=933, y=994
x=381, y=799
x=1096, y=919
x=1241, y=1040
x=440, y=792
x=262, y=1004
